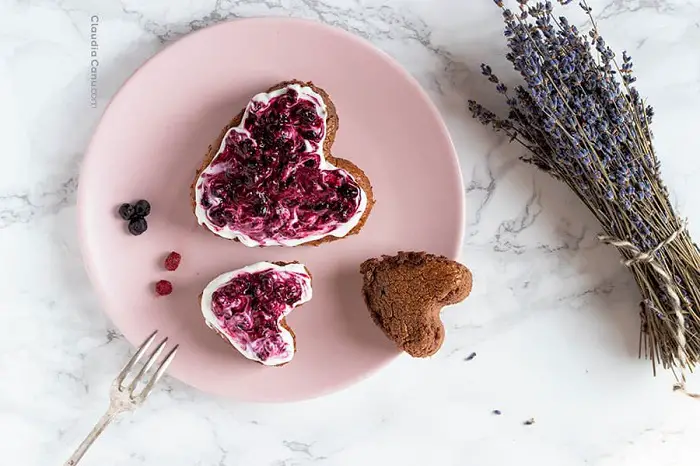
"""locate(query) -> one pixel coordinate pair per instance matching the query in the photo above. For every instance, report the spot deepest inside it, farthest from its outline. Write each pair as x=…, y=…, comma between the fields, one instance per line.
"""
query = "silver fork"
x=124, y=396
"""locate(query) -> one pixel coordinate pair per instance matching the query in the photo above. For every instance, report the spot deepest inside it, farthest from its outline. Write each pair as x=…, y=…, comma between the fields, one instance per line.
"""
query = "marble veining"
x=550, y=332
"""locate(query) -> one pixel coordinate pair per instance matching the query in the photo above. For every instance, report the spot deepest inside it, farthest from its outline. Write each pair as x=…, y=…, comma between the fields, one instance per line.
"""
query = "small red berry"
x=172, y=262
x=164, y=288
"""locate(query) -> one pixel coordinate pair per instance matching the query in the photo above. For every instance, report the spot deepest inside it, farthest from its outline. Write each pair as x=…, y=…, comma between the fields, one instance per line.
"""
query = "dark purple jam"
x=267, y=183
x=250, y=306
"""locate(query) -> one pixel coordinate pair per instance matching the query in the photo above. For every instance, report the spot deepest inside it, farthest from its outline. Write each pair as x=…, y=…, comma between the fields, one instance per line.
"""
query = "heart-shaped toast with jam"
x=270, y=178
x=248, y=308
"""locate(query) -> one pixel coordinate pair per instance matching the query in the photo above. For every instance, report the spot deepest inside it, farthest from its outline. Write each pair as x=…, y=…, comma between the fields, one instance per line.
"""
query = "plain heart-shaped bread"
x=248, y=308
x=270, y=178
x=405, y=293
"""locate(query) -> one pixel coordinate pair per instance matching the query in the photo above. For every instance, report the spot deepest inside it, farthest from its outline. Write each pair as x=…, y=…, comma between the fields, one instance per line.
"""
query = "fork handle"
x=101, y=425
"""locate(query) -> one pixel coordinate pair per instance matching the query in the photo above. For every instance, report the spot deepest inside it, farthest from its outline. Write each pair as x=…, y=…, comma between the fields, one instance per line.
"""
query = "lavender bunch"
x=582, y=120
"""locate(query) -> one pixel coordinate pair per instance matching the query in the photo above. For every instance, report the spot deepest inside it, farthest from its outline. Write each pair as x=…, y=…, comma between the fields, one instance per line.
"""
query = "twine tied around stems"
x=649, y=257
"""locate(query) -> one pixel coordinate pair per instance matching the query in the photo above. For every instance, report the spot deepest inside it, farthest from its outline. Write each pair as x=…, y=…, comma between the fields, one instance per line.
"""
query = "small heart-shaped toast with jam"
x=248, y=308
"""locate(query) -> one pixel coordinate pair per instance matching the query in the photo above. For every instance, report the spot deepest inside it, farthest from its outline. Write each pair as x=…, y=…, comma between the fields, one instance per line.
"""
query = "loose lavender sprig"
x=582, y=120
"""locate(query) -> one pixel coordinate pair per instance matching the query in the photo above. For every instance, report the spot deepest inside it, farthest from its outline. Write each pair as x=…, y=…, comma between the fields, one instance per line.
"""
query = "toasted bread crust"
x=332, y=123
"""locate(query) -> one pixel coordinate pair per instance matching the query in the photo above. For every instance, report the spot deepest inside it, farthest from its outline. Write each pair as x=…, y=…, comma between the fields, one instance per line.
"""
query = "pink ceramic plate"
x=156, y=132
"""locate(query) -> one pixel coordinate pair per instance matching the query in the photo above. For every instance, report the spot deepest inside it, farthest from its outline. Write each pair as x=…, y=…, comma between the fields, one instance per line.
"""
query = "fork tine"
x=149, y=363
x=159, y=373
x=134, y=359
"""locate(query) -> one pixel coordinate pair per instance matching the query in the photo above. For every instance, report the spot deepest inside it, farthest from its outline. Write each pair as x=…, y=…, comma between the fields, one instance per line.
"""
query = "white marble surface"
x=553, y=318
